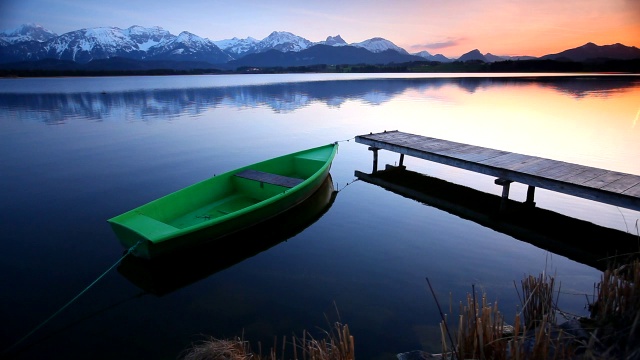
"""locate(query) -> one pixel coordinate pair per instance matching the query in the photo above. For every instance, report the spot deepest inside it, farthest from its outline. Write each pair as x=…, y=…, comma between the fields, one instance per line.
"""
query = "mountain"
x=188, y=47
x=119, y=49
x=438, y=57
x=377, y=44
x=493, y=58
x=473, y=55
x=322, y=54
x=334, y=41
x=135, y=42
x=237, y=48
x=591, y=51
x=26, y=33
x=147, y=44
x=283, y=41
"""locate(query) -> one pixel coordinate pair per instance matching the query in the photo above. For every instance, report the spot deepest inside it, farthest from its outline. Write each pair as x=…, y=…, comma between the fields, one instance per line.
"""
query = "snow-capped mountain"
x=188, y=47
x=377, y=44
x=237, y=47
x=123, y=47
x=88, y=44
x=283, y=41
x=155, y=43
x=26, y=33
x=135, y=42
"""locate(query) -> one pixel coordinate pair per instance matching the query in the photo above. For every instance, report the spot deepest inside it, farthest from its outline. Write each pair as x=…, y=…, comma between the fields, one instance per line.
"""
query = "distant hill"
x=473, y=55
x=592, y=52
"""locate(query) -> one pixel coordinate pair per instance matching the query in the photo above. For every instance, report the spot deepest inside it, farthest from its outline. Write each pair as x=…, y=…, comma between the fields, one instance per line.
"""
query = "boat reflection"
x=162, y=275
x=576, y=239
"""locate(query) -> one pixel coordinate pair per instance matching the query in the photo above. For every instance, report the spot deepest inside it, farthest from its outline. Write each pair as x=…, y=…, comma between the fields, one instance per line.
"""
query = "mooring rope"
x=131, y=249
x=347, y=140
x=349, y=183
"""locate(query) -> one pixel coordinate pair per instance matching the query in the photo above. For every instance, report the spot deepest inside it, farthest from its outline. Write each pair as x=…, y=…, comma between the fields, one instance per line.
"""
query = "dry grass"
x=337, y=344
x=212, y=348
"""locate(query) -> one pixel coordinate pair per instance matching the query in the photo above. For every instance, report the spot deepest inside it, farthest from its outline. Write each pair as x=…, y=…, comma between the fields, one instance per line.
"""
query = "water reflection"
x=54, y=108
x=575, y=239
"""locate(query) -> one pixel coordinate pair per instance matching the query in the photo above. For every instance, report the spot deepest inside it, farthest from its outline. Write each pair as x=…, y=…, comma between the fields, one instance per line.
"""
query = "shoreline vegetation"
x=480, y=330
x=116, y=67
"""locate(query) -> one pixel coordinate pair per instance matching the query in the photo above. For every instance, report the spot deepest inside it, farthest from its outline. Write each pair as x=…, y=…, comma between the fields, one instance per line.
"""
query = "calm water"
x=77, y=151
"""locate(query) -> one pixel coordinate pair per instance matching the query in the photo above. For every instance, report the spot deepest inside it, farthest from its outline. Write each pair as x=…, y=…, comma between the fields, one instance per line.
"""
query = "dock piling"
x=375, y=158
x=530, y=194
x=506, y=184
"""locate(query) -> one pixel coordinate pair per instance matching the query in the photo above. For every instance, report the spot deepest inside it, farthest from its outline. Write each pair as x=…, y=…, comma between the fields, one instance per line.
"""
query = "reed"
x=483, y=334
x=615, y=314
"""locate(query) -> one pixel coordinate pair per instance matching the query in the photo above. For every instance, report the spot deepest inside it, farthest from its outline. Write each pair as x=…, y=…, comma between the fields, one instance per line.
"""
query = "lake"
x=78, y=151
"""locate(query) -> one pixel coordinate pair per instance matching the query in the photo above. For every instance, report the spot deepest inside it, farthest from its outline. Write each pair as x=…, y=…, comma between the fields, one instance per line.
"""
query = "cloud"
x=439, y=45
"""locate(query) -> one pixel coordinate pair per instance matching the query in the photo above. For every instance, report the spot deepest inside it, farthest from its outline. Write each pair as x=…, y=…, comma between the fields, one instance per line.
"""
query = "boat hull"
x=224, y=204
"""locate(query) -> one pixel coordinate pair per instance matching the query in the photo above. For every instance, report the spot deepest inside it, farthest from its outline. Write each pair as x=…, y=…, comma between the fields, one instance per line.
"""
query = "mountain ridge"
x=32, y=42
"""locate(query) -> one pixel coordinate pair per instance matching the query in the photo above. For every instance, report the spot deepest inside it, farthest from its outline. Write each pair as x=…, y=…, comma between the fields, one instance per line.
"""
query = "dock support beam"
x=506, y=184
x=531, y=190
x=375, y=158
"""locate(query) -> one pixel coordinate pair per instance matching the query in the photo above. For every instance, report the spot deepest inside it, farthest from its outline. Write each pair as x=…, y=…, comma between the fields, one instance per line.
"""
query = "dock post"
x=401, y=160
x=505, y=192
x=530, y=194
x=375, y=158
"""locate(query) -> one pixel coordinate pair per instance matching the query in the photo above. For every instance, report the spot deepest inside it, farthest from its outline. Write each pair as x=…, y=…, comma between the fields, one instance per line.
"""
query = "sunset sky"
x=451, y=27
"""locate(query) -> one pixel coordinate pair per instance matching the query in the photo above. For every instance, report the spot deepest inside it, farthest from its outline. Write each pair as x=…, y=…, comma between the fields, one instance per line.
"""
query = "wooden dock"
x=605, y=186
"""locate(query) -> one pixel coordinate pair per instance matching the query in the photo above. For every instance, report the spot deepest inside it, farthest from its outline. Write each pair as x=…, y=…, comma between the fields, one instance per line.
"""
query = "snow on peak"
x=27, y=32
x=378, y=44
x=237, y=46
x=106, y=35
x=193, y=41
x=283, y=41
x=140, y=30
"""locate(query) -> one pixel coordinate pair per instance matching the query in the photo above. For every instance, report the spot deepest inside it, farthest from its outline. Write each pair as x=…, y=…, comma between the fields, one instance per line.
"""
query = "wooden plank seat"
x=269, y=178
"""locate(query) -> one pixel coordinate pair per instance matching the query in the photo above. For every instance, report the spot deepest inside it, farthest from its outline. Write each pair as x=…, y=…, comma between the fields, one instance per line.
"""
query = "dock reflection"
x=160, y=276
x=576, y=239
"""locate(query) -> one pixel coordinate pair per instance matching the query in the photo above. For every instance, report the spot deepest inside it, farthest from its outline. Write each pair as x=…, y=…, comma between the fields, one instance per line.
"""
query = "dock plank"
x=604, y=179
x=621, y=185
x=633, y=191
x=611, y=187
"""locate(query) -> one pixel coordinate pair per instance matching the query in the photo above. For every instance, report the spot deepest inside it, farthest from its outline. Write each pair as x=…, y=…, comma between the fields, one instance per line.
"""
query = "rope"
x=349, y=183
x=347, y=140
x=131, y=249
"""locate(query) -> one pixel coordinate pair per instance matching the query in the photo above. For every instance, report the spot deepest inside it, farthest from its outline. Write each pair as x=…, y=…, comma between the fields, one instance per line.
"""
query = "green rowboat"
x=223, y=204
x=158, y=276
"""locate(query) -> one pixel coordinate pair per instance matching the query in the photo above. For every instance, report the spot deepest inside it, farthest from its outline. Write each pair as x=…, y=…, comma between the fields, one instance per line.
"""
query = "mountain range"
x=33, y=46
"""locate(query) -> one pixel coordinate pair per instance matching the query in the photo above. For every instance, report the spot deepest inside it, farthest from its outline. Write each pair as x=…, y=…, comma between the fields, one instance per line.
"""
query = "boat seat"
x=269, y=178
